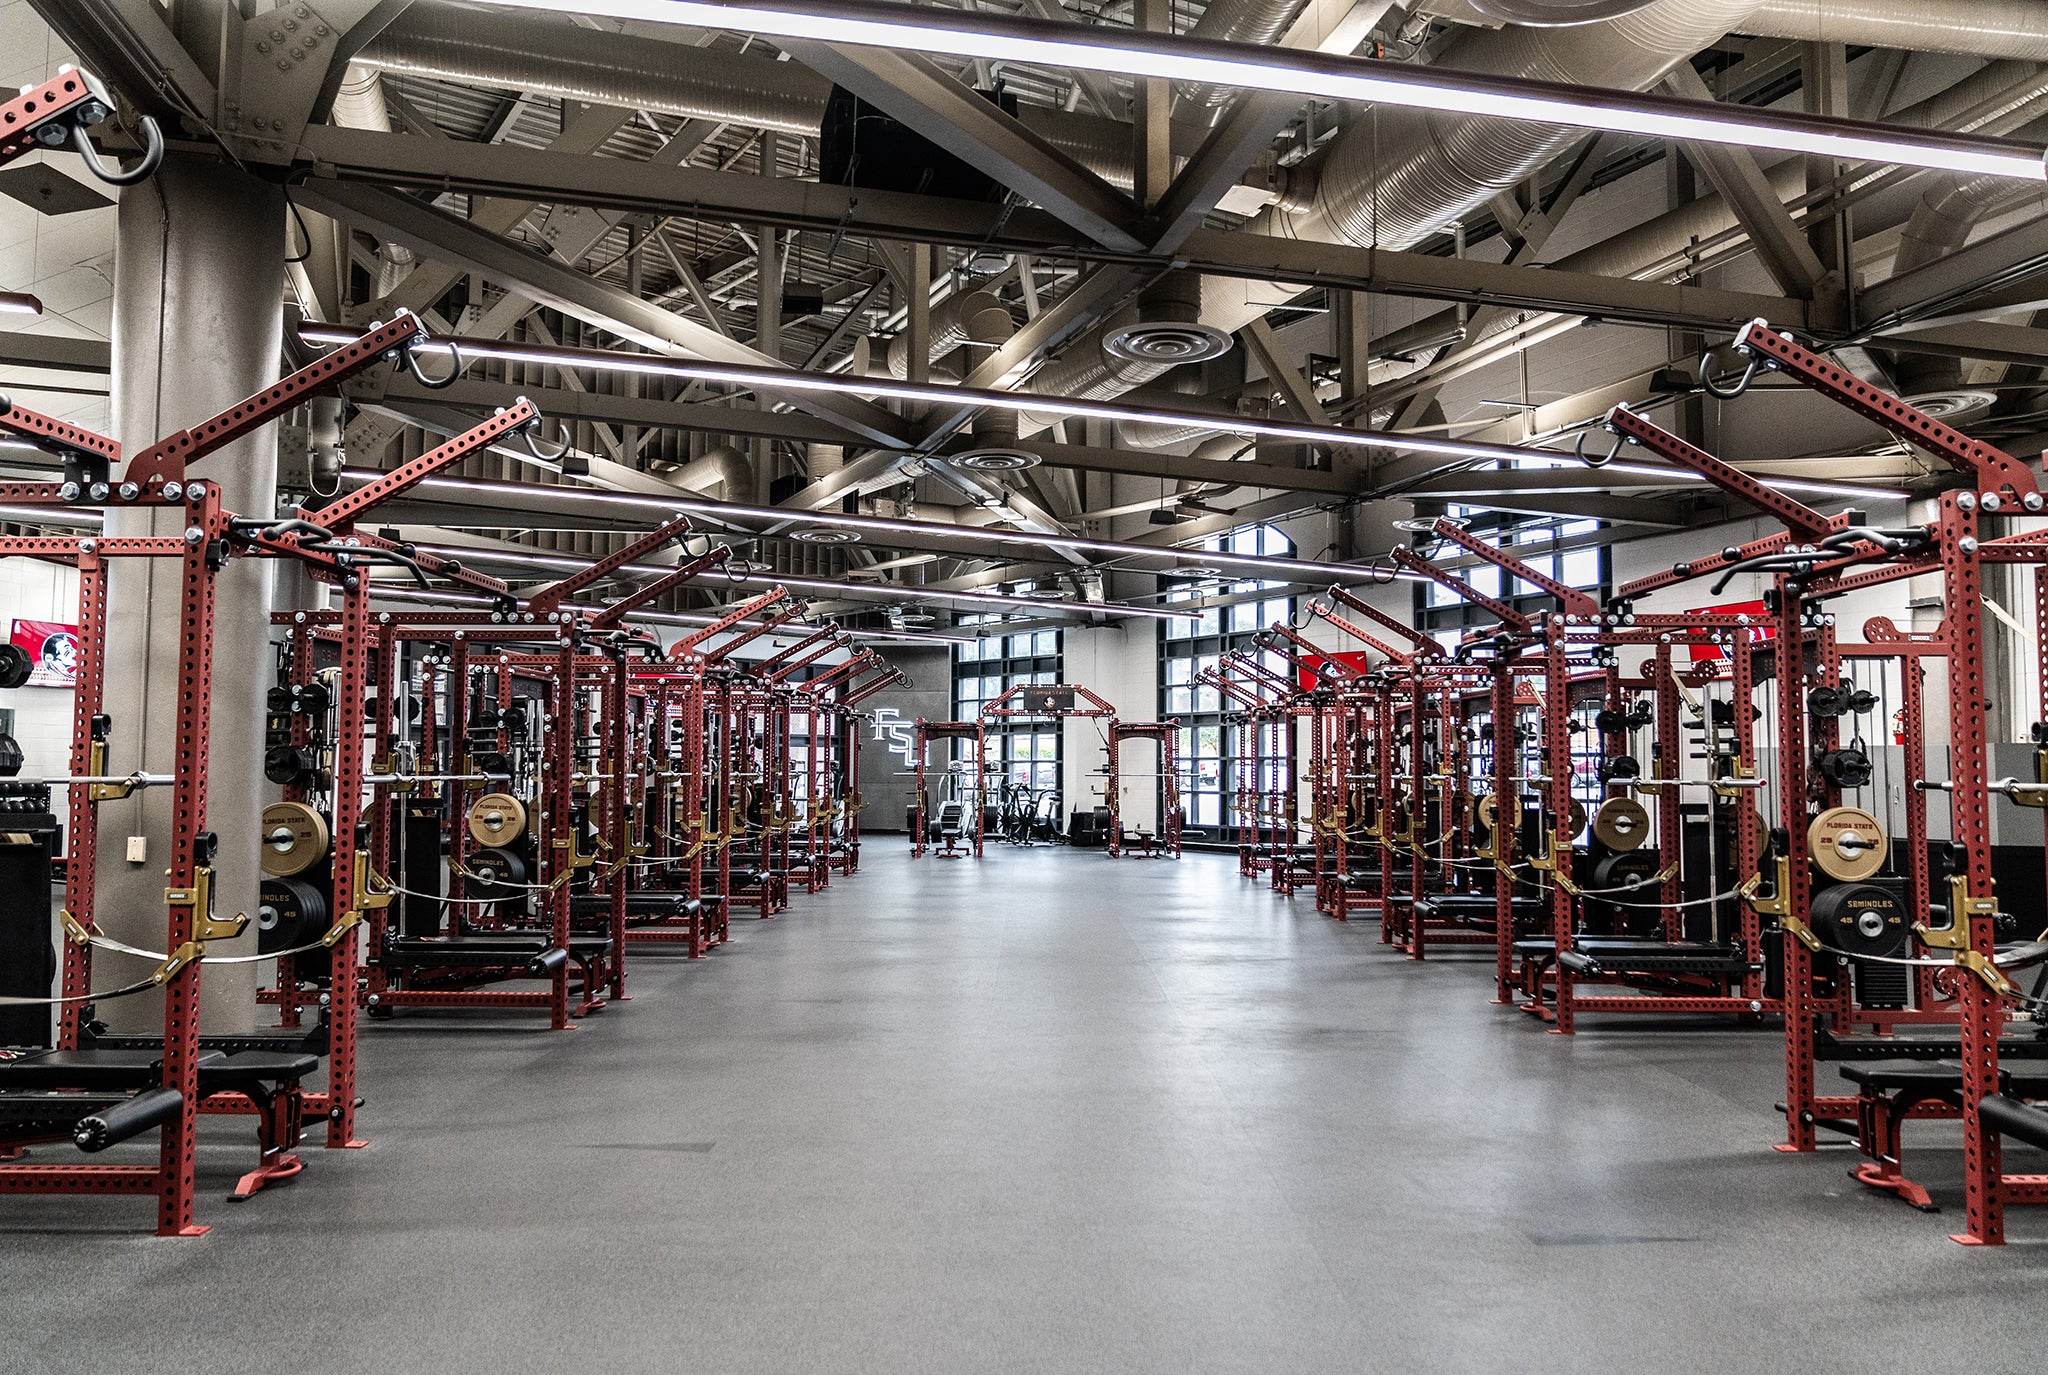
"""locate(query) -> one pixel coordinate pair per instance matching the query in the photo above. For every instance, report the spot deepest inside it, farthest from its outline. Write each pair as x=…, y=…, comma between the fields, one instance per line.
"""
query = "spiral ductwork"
x=2014, y=29
x=359, y=101
x=1239, y=21
x=1403, y=174
x=966, y=317
x=724, y=469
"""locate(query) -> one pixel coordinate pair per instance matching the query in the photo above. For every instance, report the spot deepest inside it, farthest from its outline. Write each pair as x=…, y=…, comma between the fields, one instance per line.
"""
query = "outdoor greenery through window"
x=1209, y=768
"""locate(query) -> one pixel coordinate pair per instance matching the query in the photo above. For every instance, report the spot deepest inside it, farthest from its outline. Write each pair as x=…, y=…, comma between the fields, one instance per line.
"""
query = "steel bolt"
x=99, y=491
x=69, y=491
x=88, y=545
x=194, y=535
x=130, y=491
x=2033, y=501
x=1991, y=501
x=1966, y=501
x=174, y=491
x=1968, y=544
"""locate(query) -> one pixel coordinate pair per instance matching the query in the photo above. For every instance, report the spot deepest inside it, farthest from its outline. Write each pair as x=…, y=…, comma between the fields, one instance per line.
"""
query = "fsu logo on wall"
x=1049, y=698
x=52, y=650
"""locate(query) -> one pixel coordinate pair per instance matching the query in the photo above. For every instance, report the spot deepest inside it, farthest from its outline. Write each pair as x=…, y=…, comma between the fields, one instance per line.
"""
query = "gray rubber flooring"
x=1048, y=1112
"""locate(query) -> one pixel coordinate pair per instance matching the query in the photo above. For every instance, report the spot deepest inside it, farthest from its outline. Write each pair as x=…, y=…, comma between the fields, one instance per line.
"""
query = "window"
x=1028, y=751
x=1208, y=768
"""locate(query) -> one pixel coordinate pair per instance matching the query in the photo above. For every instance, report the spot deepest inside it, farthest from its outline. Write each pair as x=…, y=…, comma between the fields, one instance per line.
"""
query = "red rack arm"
x=1506, y=615
x=1571, y=600
x=1802, y=520
x=1343, y=671
x=660, y=587
x=345, y=511
x=68, y=101
x=1987, y=464
x=53, y=433
x=819, y=645
x=801, y=645
x=166, y=460
x=843, y=672
x=1252, y=668
x=688, y=644
x=549, y=599
x=775, y=620
x=1364, y=637
x=860, y=692
x=1209, y=677
x=1407, y=632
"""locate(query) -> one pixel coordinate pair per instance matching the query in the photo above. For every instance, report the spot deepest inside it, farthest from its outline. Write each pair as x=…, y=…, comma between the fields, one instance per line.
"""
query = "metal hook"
x=1715, y=389
x=152, y=156
x=1590, y=460
x=456, y=365
x=526, y=435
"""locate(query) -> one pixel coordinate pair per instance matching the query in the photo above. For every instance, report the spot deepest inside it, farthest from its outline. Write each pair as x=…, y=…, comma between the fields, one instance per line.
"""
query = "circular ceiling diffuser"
x=1196, y=570
x=1166, y=341
x=746, y=567
x=1425, y=525
x=826, y=534
x=1544, y=13
x=996, y=460
x=914, y=617
x=1953, y=407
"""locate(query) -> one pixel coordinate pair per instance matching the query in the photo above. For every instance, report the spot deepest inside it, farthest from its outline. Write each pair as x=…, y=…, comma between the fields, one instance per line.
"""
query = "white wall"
x=36, y=591
x=1119, y=663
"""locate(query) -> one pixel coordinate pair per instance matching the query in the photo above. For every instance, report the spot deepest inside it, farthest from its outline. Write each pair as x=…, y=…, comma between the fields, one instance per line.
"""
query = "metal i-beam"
x=427, y=230
x=914, y=90
x=1781, y=245
x=353, y=155
x=564, y=403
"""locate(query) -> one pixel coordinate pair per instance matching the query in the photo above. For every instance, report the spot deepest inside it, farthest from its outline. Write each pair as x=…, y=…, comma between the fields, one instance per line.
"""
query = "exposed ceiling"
x=565, y=182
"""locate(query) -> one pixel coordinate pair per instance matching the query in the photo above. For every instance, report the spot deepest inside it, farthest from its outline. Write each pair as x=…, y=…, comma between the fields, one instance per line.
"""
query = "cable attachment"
x=116, y=175
x=455, y=365
x=1714, y=388
x=1600, y=460
x=527, y=434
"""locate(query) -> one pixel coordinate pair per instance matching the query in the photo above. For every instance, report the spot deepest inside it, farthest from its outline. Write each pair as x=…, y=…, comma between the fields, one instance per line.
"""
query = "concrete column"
x=198, y=286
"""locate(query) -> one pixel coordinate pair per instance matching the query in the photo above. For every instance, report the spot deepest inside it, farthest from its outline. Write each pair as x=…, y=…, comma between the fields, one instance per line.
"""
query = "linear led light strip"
x=1277, y=569
x=1177, y=58
x=756, y=377
x=666, y=617
x=478, y=554
x=772, y=379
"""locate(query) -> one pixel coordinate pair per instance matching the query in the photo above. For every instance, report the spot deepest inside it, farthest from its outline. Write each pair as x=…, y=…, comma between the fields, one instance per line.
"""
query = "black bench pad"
x=114, y=1071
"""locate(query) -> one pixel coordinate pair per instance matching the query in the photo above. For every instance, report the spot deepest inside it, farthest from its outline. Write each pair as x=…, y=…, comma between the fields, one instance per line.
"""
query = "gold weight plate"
x=497, y=819
x=1847, y=844
x=295, y=839
x=1577, y=816
x=1486, y=811
x=1622, y=823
